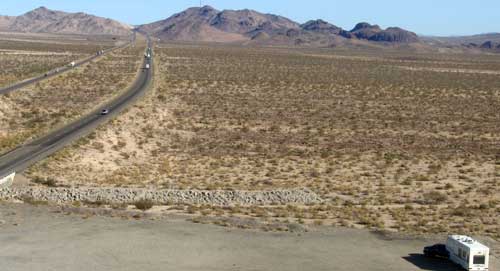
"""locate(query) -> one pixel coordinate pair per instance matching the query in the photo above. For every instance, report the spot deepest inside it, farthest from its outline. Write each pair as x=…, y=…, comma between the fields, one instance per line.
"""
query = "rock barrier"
x=162, y=197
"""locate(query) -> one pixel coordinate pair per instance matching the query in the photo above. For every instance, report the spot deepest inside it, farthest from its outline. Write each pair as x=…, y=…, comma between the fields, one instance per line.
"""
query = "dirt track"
x=38, y=238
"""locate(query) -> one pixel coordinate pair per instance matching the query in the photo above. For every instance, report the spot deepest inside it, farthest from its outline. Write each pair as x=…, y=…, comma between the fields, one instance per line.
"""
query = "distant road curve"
x=28, y=154
x=60, y=70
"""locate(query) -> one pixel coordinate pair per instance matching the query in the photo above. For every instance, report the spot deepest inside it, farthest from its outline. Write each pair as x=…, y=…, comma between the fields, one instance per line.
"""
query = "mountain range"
x=210, y=25
x=207, y=24
x=490, y=41
x=43, y=20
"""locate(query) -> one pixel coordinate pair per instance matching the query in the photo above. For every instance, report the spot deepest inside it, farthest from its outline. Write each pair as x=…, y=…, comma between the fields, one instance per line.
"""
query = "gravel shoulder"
x=42, y=238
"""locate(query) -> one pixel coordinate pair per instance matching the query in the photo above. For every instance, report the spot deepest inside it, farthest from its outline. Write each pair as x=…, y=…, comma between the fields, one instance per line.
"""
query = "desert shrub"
x=407, y=181
x=435, y=197
x=422, y=178
x=144, y=204
x=44, y=181
x=95, y=203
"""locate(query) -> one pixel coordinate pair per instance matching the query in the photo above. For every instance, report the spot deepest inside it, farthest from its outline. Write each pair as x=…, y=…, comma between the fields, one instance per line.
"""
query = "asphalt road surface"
x=26, y=155
x=40, y=239
x=57, y=71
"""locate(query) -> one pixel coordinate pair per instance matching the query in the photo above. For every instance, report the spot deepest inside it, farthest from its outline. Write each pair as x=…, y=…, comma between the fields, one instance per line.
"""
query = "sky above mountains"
x=426, y=17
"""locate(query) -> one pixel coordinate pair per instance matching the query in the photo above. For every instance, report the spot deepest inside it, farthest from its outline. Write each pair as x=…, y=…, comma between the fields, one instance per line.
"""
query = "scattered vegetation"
x=414, y=150
x=34, y=110
x=144, y=205
x=22, y=58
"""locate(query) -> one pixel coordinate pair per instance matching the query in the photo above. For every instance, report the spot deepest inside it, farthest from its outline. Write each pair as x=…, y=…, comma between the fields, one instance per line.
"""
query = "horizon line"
x=204, y=6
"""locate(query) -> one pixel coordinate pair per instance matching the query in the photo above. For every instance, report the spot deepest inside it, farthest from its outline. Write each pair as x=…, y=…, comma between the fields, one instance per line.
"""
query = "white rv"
x=468, y=253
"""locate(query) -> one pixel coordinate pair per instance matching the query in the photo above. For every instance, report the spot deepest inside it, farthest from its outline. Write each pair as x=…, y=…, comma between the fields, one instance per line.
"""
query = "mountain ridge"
x=250, y=26
x=44, y=20
x=246, y=26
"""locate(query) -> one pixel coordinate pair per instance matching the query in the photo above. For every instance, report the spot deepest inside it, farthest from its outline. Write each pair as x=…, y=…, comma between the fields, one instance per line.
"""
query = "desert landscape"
x=383, y=146
x=24, y=56
x=255, y=123
x=63, y=98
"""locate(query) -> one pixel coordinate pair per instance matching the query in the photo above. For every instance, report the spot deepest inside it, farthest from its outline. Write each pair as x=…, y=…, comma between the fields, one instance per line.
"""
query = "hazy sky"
x=429, y=17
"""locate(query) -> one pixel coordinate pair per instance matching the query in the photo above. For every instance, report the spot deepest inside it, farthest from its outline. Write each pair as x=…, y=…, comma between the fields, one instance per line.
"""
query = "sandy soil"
x=41, y=238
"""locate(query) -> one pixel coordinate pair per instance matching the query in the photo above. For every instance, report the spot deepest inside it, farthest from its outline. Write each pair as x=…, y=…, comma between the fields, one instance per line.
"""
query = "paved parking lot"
x=37, y=238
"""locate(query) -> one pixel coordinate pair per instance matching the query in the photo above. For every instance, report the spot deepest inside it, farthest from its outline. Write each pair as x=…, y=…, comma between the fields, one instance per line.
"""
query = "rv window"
x=479, y=259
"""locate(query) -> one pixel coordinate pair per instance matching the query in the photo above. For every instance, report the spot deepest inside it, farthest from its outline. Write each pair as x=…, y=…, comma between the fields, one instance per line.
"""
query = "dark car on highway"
x=104, y=112
x=437, y=251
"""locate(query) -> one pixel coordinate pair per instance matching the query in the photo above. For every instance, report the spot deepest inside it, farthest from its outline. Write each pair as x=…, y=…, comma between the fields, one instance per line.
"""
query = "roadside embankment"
x=160, y=197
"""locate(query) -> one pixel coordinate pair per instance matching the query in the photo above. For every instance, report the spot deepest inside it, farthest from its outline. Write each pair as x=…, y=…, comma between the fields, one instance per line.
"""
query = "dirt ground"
x=43, y=238
x=408, y=150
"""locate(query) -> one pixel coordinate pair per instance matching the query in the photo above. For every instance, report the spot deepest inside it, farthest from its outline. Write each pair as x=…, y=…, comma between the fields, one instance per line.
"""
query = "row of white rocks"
x=162, y=197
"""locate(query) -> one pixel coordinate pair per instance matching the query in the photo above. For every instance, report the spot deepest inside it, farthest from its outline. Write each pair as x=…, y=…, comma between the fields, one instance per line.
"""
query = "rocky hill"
x=490, y=45
x=489, y=42
x=246, y=21
x=193, y=24
x=43, y=20
x=249, y=26
x=5, y=22
x=323, y=27
x=464, y=40
x=370, y=32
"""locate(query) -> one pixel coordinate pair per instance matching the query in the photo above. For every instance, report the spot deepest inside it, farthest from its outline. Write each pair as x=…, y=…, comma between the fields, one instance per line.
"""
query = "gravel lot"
x=40, y=238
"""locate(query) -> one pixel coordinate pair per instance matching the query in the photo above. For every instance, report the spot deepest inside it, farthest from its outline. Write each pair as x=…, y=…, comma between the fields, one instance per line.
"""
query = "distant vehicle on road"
x=104, y=112
x=72, y=64
x=147, y=66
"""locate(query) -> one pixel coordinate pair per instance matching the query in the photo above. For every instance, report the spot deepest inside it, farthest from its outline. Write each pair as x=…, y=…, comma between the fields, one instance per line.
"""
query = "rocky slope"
x=323, y=27
x=246, y=21
x=193, y=24
x=490, y=45
x=474, y=43
x=249, y=26
x=43, y=20
x=5, y=22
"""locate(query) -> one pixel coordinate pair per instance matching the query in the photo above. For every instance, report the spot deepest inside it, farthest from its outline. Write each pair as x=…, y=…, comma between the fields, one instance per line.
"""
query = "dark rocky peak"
x=40, y=9
x=207, y=11
x=364, y=25
x=395, y=34
x=321, y=26
x=490, y=45
x=44, y=13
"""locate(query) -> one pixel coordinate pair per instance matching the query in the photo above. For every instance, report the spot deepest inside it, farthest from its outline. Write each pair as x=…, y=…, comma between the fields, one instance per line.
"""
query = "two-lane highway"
x=30, y=153
x=60, y=70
